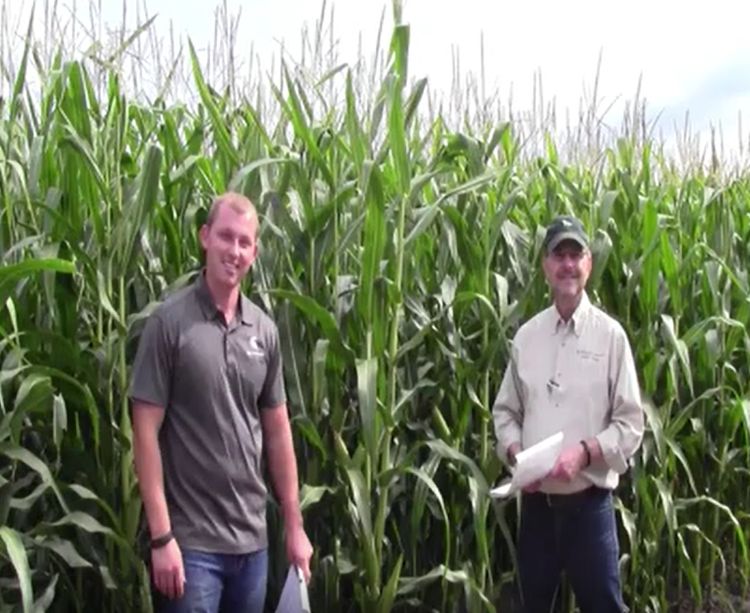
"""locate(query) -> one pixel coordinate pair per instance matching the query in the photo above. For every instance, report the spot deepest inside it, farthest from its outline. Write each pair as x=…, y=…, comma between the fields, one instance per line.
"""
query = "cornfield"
x=400, y=248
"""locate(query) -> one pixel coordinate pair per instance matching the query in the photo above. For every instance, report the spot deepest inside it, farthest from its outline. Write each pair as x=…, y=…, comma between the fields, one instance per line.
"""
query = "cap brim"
x=567, y=236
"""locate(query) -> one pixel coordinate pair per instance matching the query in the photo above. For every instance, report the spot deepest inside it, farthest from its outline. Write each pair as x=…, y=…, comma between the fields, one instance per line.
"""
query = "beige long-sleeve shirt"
x=577, y=377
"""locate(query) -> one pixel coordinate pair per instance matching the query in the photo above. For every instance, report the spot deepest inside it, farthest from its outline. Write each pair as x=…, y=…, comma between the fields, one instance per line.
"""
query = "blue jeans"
x=577, y=534
x=216, y=582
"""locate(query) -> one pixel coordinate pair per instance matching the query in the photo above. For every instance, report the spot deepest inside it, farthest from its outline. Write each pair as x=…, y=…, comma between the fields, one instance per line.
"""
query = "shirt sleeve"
x=620, y=440
x=152, y=369
x=272, y=395
x=507, y=411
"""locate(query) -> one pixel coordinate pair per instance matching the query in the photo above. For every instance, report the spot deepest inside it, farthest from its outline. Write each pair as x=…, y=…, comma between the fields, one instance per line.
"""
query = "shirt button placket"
x=557, y=374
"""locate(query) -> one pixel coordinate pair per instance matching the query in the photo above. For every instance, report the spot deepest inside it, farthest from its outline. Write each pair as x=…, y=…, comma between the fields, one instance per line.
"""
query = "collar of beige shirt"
x=577, y=320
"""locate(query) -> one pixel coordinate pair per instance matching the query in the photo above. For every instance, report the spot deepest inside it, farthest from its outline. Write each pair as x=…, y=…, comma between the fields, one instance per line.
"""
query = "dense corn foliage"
x=399, y=253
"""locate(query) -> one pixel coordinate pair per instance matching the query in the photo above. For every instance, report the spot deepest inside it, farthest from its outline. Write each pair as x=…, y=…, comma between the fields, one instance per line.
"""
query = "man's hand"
x=533, y=487
x=569, y=464
x=512, y=452
x=299, y=550
x=168, y=570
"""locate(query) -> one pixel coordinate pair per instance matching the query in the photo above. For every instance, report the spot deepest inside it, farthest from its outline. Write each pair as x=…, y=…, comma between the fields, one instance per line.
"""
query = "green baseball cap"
x=564, y=227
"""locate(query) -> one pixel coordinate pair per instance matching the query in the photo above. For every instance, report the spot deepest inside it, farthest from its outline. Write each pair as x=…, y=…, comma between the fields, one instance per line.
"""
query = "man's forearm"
x=282, y=466
x=148, y=467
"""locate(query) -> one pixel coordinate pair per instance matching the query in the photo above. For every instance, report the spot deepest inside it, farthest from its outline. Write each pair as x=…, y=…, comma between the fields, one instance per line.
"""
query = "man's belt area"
x=563, y=500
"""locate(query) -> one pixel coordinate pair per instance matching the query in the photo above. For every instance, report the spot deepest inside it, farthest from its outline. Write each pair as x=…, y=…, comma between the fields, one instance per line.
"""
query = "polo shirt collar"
x=209, y=308
x=245, y=310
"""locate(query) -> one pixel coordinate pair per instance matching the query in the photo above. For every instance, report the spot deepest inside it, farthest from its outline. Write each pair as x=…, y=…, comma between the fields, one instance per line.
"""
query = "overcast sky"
x=690, y=56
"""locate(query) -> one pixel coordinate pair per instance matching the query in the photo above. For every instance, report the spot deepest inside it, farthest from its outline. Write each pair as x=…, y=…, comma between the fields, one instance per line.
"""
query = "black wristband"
x=588, y=453
x=162, y=540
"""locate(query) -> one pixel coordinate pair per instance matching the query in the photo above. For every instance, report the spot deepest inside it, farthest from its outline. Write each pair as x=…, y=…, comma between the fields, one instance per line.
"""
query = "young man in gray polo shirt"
x=571, y=369
x=207, y=396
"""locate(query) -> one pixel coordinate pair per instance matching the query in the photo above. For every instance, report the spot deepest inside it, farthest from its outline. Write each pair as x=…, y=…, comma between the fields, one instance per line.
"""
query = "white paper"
x=532, y=464
x=294, y=597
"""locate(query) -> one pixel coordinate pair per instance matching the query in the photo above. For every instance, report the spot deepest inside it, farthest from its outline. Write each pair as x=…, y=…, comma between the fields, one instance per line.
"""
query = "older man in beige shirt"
x=571, y=370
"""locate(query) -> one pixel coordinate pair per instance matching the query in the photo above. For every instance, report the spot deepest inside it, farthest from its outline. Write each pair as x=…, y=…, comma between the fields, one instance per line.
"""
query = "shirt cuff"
x=611, y=451
x=510, y=436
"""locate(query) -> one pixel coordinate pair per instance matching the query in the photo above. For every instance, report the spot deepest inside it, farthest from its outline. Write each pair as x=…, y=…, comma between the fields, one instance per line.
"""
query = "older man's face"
x=567, y=269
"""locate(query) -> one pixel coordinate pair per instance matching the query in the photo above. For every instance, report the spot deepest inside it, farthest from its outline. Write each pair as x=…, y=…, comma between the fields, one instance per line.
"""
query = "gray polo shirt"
x=213, y=380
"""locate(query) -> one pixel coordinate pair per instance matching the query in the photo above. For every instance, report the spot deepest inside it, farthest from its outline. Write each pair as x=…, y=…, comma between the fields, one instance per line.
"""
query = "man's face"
x=567, y=269
x=230, y=246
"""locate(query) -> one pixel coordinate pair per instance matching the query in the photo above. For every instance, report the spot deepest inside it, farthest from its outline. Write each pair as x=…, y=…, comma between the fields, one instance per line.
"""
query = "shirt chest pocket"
x=589, y=372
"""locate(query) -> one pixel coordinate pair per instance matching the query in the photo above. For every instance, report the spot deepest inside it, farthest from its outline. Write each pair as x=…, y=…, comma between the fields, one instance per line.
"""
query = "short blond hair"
x=237, y=202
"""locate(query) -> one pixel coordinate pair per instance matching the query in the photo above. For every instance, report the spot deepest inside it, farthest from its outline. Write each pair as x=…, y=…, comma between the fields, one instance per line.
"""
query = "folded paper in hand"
x=532, y=464
x=294, y=597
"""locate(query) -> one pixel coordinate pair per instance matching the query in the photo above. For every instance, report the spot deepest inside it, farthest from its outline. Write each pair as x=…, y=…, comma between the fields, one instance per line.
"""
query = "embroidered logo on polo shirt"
x=256, y=348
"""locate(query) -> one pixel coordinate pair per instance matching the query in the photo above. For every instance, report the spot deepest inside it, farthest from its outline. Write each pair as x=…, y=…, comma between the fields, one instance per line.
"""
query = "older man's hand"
x=569, y=464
